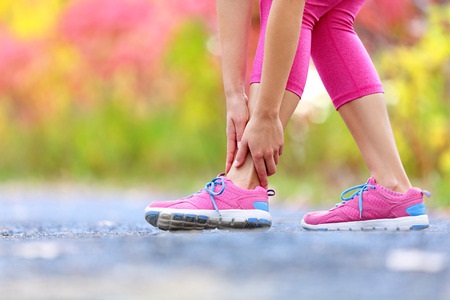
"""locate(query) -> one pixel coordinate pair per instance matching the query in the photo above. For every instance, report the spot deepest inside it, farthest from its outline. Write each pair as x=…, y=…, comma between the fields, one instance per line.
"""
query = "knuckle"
x=258, y=155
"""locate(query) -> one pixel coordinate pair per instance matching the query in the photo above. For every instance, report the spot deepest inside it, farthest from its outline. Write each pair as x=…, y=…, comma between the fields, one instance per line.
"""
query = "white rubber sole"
x=404, y=223
x=188, y=219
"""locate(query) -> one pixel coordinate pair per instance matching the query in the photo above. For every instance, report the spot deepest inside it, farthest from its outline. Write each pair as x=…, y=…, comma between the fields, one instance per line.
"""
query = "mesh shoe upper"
x=225, y=196
x=374, y=202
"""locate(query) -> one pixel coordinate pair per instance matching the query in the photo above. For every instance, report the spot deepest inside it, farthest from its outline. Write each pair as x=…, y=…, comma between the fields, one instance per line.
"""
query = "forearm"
x=234, y=18
x=281, y=41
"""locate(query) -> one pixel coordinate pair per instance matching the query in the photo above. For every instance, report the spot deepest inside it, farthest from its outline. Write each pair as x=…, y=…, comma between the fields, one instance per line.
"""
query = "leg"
x=387, y=201
x=368, y=121
x=348, y=73
x=245, y=176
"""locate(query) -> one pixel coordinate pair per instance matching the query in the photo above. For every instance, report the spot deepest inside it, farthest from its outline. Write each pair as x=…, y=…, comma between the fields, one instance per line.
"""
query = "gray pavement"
x=78, y=242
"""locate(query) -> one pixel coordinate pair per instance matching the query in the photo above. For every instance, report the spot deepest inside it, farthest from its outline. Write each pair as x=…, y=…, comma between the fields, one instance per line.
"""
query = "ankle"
x=393, y=184
x=245, y=176
x=244, y=182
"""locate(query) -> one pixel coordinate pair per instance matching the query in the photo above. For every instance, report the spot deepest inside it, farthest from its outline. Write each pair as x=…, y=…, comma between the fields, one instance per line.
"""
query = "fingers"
x=276, y=158
x=235, y=131
x=231, y=151
x=261, y=170
x=264, y=141
x=241, y=155
x=231, y=146
x=265, y=167
x=239, y=131
x=271, y=164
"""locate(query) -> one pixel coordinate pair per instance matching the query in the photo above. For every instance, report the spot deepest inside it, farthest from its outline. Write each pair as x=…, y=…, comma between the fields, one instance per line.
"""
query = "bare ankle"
x=244, y=183
x=245, y=176
x=242, y=179
x=393, y=184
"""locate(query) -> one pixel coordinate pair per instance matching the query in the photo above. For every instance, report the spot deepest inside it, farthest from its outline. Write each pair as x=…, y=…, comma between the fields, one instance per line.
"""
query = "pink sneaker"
x=219, y=204
x=372, y=207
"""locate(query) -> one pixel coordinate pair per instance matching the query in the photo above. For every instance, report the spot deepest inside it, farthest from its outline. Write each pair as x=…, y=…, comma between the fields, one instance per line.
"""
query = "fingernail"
x=235, y=163
x=239, y=145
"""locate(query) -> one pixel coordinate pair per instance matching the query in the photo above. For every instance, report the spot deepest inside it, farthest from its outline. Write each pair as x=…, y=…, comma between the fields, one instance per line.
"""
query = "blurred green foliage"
x=118, y=139
x=418, y=81
x=65, y=114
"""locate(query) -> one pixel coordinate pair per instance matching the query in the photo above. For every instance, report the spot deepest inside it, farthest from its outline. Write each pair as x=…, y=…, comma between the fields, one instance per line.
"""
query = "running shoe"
x=372, y=207
x=220, y=204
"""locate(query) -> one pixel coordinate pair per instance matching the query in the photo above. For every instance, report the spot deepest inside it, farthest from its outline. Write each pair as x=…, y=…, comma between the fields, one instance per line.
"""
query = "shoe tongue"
x=371, y=181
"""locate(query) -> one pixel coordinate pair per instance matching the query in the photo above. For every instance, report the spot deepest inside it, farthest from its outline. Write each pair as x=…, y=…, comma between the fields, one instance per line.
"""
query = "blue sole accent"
x=177, y=217
x=316, y=229
x=265, y=222
x=202, y=219
x=190, y=218
x=419, y=227
x=257, y=223
x=251, y=223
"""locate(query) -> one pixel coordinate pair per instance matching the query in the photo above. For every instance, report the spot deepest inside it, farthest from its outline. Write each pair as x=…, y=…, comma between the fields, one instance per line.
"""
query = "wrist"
x=236, y=98
x=267, y=113
x=232, y=93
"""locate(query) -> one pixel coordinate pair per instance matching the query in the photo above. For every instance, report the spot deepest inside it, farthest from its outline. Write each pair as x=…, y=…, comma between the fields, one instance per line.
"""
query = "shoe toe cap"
x=313, y=218
x=322, y=217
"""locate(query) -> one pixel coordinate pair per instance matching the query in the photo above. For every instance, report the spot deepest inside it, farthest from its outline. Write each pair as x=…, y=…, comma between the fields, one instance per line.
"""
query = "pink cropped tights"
x=327, y=35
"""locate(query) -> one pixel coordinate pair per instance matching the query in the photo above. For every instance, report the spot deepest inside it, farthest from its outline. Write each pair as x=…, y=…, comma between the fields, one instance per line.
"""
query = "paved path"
x=84, y=243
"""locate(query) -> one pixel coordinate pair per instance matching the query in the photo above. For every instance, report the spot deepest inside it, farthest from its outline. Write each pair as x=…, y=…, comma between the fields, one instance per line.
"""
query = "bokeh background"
x=129, y=92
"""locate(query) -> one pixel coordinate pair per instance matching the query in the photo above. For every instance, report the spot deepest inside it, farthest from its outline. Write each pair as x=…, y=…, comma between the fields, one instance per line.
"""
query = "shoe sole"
x=177, y=219
x=403, y=224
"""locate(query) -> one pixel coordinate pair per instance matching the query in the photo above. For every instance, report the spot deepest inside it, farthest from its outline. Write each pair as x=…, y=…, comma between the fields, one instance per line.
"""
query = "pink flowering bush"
x=87, y=98
x=21, y=77
x=113, y=35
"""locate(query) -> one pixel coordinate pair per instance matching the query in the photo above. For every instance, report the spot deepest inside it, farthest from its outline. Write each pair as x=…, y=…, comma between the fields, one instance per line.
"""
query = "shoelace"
x=210, y=188
x=360, y=190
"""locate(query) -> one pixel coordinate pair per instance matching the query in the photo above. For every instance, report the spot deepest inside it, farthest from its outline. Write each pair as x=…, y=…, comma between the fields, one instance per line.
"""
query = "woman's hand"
x=263, y=137
x=237, y=118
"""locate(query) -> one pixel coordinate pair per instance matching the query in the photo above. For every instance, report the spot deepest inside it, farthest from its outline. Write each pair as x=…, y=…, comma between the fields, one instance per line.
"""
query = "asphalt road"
x=75, y=242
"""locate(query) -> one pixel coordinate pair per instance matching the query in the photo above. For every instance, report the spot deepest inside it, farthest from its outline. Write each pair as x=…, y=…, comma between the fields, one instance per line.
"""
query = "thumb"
x=241, y=154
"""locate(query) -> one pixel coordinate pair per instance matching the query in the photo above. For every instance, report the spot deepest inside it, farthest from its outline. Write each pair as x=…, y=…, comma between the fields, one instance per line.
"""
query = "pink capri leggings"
x=328, y=36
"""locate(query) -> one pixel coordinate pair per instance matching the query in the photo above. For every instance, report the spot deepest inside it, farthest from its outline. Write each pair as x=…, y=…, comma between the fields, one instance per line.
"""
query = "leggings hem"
x=291, y=87
x=339, y=100
x=369, y=90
